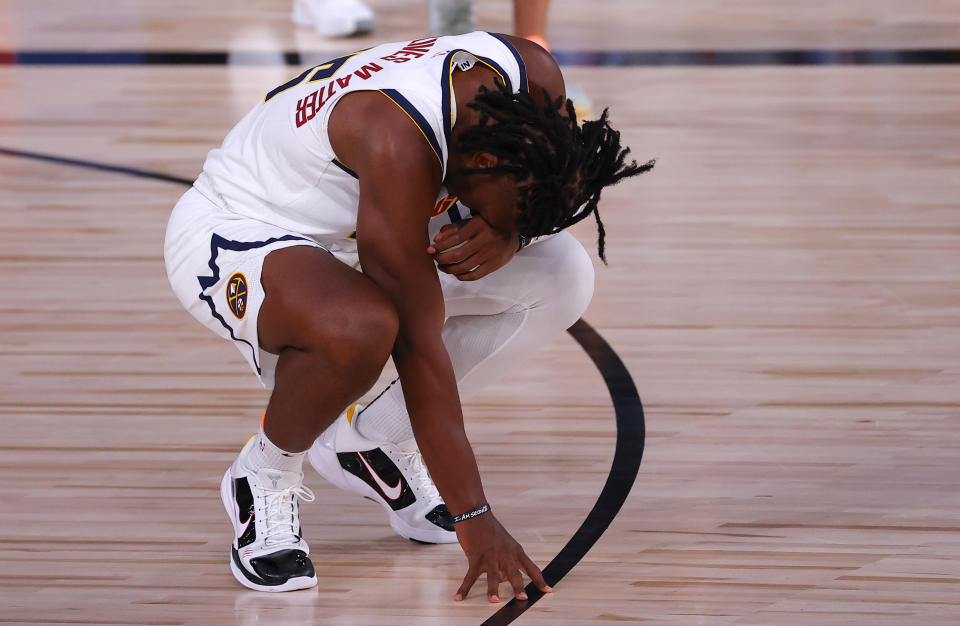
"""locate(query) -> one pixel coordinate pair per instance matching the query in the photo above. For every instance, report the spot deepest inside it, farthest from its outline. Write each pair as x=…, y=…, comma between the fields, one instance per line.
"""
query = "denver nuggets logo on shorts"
x=237, y=295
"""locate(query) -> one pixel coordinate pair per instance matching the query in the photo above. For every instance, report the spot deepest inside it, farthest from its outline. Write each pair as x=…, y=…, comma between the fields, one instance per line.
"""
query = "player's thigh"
x=312, y=301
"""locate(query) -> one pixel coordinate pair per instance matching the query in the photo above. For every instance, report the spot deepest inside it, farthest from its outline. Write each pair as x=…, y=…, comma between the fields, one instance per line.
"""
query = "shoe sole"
x=242, y=576
x=342, y=480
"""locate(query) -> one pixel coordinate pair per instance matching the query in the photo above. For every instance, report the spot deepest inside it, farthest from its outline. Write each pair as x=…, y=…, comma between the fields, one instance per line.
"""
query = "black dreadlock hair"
x=562, y=166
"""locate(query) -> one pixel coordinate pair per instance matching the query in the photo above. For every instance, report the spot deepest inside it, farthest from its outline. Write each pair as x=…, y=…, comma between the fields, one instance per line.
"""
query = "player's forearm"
x=430, y=391
x=429, y=383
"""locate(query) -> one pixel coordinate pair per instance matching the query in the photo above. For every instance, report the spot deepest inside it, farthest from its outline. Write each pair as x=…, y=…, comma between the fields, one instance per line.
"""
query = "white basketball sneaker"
x=268, y=553
x=333, y=18
x=392, y=474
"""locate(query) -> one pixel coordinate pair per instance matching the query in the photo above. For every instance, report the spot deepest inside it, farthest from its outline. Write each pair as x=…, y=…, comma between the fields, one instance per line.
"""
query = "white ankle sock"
x=386, y=419
x=264, y=454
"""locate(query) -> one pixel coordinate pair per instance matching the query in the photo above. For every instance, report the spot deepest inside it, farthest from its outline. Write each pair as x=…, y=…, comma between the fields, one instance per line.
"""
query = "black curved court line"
x=631, y=430
x=583, y=58
x=631, y=433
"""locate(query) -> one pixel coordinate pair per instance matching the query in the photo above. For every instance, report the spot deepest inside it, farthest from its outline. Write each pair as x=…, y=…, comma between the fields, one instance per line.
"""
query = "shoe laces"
x=420, y=477
x=281, y=520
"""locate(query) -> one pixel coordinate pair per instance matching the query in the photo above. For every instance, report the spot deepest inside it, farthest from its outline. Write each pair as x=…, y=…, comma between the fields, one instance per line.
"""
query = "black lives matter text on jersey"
x=310, y=105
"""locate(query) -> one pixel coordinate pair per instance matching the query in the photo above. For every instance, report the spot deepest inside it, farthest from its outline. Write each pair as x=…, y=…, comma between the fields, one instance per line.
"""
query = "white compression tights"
x=495, y=322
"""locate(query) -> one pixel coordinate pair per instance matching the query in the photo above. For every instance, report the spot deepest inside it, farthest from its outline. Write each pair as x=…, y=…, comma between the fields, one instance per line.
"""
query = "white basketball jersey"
x=277, y=165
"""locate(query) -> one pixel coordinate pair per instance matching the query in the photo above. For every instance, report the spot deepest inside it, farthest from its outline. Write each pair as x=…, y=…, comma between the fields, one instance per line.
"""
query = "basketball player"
x=308, y=241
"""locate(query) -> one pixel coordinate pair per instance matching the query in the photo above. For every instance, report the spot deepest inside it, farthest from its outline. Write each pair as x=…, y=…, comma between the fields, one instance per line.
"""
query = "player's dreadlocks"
x=561, y=166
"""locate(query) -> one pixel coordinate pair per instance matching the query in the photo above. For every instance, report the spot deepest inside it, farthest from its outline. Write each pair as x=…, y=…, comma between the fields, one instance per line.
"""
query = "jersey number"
x=319, y=72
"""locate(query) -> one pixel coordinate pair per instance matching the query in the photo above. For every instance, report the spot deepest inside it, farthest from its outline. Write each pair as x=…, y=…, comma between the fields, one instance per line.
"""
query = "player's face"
x=492, y=196
x=494, y=200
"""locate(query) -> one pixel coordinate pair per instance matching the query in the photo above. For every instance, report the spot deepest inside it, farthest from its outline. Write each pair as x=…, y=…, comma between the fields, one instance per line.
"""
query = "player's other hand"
x=492, y=551
x=484, y=249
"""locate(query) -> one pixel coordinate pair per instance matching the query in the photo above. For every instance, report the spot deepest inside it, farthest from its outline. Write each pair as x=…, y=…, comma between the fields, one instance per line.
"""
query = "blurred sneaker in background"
x=333, y=18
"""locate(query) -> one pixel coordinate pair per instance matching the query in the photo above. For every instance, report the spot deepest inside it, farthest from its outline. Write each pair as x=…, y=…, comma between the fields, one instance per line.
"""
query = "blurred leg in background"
x=455, y=17
x=451, y=17
x=530, y=20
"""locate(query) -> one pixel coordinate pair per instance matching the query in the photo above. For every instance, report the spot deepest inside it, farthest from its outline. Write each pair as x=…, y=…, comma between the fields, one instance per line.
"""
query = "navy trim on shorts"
x=218, y=243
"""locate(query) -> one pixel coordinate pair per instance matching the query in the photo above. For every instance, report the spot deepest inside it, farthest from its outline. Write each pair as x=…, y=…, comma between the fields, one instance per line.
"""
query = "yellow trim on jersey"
x=453, y=105
x=287, y=86
x=422, y=132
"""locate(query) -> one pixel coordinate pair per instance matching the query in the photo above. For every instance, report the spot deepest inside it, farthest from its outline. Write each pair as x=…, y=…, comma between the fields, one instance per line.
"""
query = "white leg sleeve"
x=495, y=322
x=450, y=17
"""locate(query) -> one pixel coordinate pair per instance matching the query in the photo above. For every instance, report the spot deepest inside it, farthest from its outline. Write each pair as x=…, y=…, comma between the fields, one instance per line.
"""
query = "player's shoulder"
x=542, y=69
x=378, y=134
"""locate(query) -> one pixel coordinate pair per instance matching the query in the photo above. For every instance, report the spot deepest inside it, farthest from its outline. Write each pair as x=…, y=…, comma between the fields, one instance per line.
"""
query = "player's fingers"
x=467, y=583
x=448, y=237
x=467, y=265
x=475, y=273
x=493, y=581
x=516, y=581
x=457, y=270
x=534, y=573
x=445, y=232
x=461, y=252
x=455, y=234
x=457, y=255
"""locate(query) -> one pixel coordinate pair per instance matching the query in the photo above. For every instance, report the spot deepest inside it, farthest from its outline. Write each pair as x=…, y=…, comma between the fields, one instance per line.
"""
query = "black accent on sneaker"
x=244, y=497
x=387, y=473
x=440, y=516
x=276, y=568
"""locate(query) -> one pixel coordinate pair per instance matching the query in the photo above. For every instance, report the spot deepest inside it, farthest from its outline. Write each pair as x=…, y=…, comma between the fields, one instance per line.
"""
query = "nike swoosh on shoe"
x=391, y=493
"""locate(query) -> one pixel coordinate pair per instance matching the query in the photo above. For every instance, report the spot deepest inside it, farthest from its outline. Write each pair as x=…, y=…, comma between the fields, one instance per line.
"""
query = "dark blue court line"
x=587, y=58
x=105, y=167
x=627, y=454
x=682, y=58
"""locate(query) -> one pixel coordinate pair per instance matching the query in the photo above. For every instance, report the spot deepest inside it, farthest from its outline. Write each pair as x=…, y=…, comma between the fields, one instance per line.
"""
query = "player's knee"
x=374, y=330
x=356, y=339
x=367, y=336
x=580, y=282
x=568, y=290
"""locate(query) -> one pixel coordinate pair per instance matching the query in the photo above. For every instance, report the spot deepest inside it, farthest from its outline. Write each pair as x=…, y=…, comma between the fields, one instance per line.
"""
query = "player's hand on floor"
x=484, y=249
x=492, y=551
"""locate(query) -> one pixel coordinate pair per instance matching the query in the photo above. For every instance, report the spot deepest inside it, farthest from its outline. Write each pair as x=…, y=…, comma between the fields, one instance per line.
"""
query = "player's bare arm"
x=399, y=179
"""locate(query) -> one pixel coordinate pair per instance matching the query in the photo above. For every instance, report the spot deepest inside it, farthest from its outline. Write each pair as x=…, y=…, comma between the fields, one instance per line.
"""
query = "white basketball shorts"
x=214, y=258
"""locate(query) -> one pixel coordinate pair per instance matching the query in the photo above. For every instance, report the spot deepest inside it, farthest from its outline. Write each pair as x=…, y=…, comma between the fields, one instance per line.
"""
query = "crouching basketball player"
x=312, y=240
